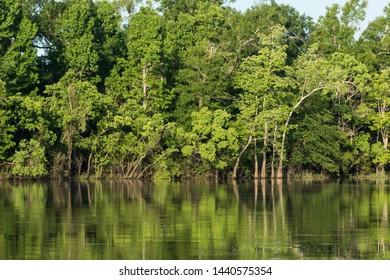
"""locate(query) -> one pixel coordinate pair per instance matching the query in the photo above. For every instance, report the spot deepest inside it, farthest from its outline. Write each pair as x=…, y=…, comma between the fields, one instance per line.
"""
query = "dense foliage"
x=171, y=89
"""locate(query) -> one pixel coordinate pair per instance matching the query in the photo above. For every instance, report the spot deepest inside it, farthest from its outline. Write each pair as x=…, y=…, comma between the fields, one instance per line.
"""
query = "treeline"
x=173, y=89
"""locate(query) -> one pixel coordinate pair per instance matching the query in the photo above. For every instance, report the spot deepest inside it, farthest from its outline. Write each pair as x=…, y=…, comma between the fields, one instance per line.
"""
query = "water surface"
x=115, y=220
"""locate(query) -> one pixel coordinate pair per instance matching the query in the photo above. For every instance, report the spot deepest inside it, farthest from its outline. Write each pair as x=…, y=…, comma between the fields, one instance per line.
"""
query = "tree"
x=374, y=44
x=265, y=81
x=263, y=17
x=29, y=160
x=211, y=140
x=77, y=105
x=196, y=50
x=50, y=43
x=77, y=26
x=378, y=115
x=18, y=64
x=342, y=76
x=201, y=81
x=336, y=30
x=316, y=138
x=146, y=75
x=125, y=139
x=311, y=74
x=110, y=36
x=172, y=8
x=6, y=129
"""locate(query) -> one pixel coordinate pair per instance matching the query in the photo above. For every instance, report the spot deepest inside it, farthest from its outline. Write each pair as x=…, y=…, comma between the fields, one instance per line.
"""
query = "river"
x=132, y=220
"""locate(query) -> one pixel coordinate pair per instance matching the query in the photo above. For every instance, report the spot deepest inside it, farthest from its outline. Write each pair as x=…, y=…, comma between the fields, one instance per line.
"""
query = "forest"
x=174, y=89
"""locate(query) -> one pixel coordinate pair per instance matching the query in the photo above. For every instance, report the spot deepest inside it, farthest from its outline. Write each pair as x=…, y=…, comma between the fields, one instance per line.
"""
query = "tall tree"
x=76, y=105
x=337, y=29
x=18, y=57
x=265, y=81
x=311, y=74
x=196, y=50
x=374, y=44
x=145, y=69
x=77, y=27
x=379, y=118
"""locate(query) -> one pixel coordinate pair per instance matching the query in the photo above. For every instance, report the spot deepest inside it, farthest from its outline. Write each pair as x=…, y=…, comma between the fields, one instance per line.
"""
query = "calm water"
x=134, y=220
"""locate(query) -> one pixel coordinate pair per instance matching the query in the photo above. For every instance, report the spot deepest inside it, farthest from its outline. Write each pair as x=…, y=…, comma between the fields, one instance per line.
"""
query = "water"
x=117, y=220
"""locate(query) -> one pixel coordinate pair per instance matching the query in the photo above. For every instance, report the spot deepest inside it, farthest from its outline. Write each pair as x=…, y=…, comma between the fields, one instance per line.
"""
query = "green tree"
x=342, y=76
x=126, y=139
x=196, y=51
x=146, y=76
x=316, y=138
x=77, y=106
x=266, y=83
x=311, y=73
x=374, y=44
x=379, y=117
x=211, y=140
x=51, y=58
x=18, y=61
x=6, y=129
x=337, y=29
x=111, y=35
x=29, y=160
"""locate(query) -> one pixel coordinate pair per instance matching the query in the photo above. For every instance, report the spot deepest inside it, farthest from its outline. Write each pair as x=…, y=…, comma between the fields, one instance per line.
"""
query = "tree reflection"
x=188, y=220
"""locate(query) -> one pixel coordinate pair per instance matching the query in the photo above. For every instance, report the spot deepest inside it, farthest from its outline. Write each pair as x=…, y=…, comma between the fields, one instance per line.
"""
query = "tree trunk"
x=79, y=163
x=279, y=173
x=380, y=170
x=136, y=166
x=385, y=141
x=240, y=154
x=235, y=168
x=143, y=171
x=256, y=175
x=303, y=97
x=273, y=165
x=263, y=173
x=273, y=153
x=70, y=149
x=264, y=164
x=89, y=165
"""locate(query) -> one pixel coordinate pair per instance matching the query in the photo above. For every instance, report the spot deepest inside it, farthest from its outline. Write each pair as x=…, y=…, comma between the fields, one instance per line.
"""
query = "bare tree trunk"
x=280, y=167
x=256, y=175
x=264, y=164
x=89, y=165
x=69, y=133
x=143, y=171
x=263, y=173
x=70, y=149
x=385, y=139
x=128, y=170
x=241, y=153
x=79, y=163
x=136, y=166
x=273, y=153
x=380, y=170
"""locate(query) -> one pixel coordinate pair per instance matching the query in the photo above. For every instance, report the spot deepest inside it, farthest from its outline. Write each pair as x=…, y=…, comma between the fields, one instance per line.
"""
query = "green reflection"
x=136, y=220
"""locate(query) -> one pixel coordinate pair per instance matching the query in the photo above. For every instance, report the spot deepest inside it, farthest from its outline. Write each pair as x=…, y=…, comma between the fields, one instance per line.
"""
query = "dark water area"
x=118, y=220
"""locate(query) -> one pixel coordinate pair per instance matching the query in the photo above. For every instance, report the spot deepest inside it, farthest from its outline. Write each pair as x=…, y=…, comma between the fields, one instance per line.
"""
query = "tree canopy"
x=176, y=89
